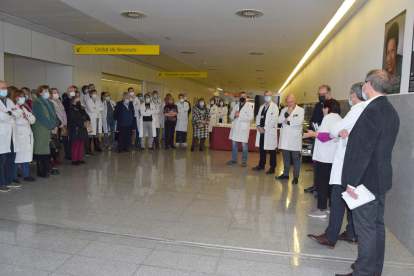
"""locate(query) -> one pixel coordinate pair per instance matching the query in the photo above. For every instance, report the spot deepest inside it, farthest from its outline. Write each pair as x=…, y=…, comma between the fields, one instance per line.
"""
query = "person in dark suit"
x=368, y=162
x=124, y=115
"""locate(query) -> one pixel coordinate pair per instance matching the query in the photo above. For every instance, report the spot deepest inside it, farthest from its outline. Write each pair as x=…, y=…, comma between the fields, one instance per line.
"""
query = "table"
x=220, y=140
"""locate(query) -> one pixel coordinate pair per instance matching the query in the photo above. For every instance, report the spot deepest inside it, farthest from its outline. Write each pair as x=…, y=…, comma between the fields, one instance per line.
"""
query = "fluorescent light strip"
x=219, y=89
x=335, y=19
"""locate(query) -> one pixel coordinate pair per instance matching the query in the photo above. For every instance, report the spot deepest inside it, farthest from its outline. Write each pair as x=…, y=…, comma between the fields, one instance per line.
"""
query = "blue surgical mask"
x=147, y=100
x=141, y=98
x=86, y=90
x=107, y=98
x=26, y=97
x=127, y=101
x=155, y=96
x=21, y=101
x=350, y=102
x=201, y=103
x=364, y=96
x=211, y=102
x=46, y=96
x=268, y=99
x=3, y=93
x=221, y=103
x=94, y=96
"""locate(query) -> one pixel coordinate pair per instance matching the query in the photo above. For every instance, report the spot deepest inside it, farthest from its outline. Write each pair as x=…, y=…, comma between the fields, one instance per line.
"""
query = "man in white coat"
x=136, y=102
x=338, y=205
x=148, y=121
x=157, y=102
x=242, y=115
x=182, y=122
x=9, y=140
x=266, y=137
x=290, y=140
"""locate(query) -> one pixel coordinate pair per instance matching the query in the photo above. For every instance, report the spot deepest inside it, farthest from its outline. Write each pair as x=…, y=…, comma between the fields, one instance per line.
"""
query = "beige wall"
x=116, y=86
x=353, y=51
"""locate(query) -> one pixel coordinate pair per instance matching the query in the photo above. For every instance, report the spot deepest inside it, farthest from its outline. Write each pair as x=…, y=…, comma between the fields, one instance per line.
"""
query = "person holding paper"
x=338, y=205
x=323, y=154
x=368, y=162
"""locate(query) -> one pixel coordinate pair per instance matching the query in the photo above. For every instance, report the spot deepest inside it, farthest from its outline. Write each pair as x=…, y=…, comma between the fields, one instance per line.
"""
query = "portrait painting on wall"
x=393, y=50
x=411, y=85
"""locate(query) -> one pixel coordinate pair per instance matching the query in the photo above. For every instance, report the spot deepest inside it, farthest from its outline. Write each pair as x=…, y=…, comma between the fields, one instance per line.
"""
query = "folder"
x=364, y=196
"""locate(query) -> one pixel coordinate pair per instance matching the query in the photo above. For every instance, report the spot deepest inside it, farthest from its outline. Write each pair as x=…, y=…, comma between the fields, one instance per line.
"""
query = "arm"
x=323, y=137
x=100, y=107
x=258, y=116
x=281, y=117
x=247, y=116
x=38, y=113
x=186, y=107
x=233, y=111
x=29, y=116
x=90, y=106
x=75, y=118
x=116, y=112
x=5, y=117
x=346, y=123
x=196, y=116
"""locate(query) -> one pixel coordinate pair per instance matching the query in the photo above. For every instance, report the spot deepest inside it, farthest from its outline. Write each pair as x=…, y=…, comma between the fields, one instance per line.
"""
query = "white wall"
x=353, y=51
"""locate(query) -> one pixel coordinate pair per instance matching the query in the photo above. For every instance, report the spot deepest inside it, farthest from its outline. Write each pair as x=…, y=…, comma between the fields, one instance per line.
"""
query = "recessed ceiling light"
x=188, y=52
x=257, y=53
x=260, y=70
x=167, y=38
x=133, y=14
x=249, y=13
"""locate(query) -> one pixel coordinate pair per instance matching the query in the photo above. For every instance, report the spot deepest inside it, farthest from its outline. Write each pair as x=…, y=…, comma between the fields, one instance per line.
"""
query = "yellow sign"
x=152, y=50
x=182, y=74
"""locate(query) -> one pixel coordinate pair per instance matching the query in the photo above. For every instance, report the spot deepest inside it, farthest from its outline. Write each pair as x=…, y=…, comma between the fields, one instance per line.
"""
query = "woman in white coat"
x=148, y=121
x=25, y=154
x=266, y=137
x=94, y=107
x=213, y=115
x=137, y=103
x=221, y=113
x=182, y=122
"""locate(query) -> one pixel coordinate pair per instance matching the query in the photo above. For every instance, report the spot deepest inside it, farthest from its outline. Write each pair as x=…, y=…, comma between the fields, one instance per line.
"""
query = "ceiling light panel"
x=133, y=14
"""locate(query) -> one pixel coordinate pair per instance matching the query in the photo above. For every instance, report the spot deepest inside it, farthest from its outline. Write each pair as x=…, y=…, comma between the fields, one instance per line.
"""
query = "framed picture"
x=393, y=50
x=411, y=85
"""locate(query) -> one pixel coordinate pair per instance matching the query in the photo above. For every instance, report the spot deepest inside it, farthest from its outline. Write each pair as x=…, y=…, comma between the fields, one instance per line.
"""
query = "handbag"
x=55, y=142
x=90, y=129
x=64, y=131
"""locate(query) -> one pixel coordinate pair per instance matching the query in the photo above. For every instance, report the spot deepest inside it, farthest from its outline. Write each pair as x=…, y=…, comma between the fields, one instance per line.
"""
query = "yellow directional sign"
x=182, y=74
x=153, y=50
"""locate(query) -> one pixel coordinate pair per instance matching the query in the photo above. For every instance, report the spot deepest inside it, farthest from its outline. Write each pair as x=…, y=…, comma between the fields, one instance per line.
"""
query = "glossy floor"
x=170, y=212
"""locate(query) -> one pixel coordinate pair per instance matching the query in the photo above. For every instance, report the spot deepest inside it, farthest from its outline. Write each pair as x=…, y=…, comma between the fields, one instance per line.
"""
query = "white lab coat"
x=346, y=123
x=182, y=116
x=137, y=103
x=240, y=127
x=291, y=134
x=25, y=153
x=8, y=129
x=325, y=152
x=270, y=134
x=150, y=112
x=222, y=112
x=94, y=110
x=162, y=116
x=213, y=117
x=157, y=102
x=84, y=98
x=104, y=115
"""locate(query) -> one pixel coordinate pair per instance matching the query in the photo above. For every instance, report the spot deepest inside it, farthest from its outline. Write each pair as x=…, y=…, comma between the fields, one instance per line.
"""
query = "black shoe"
x=54, y=172
x=16, y=181
x=43, y=175
x=282, y=176
x=82, y=162
x=142, y=149
x=258, y=168
x=295, y=180
x=68, y=158
x=200, y=149
x=173, y=147
x=311, y=189
x=271, y=171
x=167, y=147
x=29, y=178
x=75, y=163
x=192, y=148
x=316, y=196
x=19, y=175
x=152, y=149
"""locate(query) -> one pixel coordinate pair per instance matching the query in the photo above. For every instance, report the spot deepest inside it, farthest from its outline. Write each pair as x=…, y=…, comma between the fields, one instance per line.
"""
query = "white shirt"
x=367, y=102
x=325, y=152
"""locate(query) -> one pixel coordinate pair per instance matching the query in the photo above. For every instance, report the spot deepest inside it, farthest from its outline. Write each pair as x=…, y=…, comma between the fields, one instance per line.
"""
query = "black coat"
x=369, y=149
x=118, y=112
x=76, y=120
x=66, y=104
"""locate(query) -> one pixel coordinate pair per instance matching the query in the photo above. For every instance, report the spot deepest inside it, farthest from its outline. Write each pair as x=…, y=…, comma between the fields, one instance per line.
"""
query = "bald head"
x=290, y=101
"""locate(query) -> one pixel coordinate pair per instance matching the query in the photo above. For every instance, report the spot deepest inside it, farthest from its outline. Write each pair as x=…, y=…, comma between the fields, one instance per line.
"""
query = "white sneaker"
x=184, y=145
x=316, y=213
x=177, y=144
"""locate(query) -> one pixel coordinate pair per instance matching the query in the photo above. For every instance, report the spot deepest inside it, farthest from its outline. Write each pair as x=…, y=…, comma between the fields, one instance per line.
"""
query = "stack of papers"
x=364, y=196
x=315, y=126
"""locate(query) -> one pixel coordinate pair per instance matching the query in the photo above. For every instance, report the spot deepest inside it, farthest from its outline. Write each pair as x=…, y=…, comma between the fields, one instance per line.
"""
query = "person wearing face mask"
x=182, y=122
x=162, y=121
x=170, y=112
x=148, y=112
x=71, y=93
x=84, y=95
x=338, y=205
x=124, y=115
x=108, y=121
x=201, y=120
x=222, y=113
x=131, y=92
x=9, y=138
x=32, y=95
x=63, y=128
x=266, y=137
x=323, y=154
x=25, y=154
x=94, y=107
x=242, y=114
x=78, y=121
x=136, y=102
x=46, y=124
x=213, y=115
x=26, y=92
x=157, y=102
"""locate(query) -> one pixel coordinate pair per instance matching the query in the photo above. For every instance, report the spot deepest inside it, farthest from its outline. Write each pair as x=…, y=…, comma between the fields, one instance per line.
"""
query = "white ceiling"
x=221, y=39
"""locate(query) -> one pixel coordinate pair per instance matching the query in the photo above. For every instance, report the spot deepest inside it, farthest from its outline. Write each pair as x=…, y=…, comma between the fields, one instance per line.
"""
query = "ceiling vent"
x=257, y=53
x=249, y=13
x=260, y=70
x=188, y=52
x=133, y=14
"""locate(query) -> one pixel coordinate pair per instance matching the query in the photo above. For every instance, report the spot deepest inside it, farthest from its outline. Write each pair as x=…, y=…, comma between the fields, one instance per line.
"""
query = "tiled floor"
x=170, y=212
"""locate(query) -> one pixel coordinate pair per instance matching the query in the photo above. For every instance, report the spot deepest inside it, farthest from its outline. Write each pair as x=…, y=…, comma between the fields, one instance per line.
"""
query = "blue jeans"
x=7, y=166
x=111, y=127
x=25, y=169
x=236, y=151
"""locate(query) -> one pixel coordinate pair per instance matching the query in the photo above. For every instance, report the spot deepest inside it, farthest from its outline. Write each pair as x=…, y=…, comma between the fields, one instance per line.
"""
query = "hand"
x=14, y=109
x=343, y=134
x=94, y=107
x=351, y=192
x=285, y=121
x=203, y=122
x=237, y=114
x=261, y=130
x=290, y=109
x=310, y=133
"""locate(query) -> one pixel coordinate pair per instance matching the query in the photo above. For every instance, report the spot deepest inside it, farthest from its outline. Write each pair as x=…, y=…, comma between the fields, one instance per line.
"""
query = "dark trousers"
x=125, y=133
x=77, y=151
x=7, y=166
x=262, y=161
x=169, y=133
x=87, y=144
x=157, y=138
x=370, y=230
x=336, y=217
x=67, y=146
x=195, y=139
x=182, y=135
x=43, y=163
x=323, y=175
x=296, y=162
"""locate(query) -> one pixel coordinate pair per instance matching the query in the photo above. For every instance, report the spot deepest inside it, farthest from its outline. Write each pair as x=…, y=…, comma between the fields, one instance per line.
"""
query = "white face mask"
x=72, y=94
x=55, y=96
x=181, y=100
x=131, y=94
